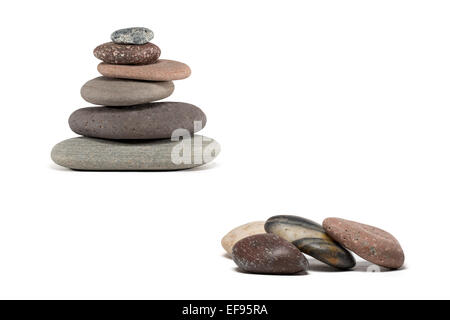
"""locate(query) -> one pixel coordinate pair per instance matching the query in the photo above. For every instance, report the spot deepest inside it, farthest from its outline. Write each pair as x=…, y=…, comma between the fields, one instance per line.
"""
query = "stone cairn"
x=129, y=131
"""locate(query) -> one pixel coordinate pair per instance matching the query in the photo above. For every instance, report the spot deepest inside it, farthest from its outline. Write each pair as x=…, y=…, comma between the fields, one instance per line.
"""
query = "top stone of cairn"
x=136, y=35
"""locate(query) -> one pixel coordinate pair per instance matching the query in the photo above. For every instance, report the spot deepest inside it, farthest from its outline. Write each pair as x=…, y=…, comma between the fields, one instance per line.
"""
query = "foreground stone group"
x=129, y=130
x=277, y=245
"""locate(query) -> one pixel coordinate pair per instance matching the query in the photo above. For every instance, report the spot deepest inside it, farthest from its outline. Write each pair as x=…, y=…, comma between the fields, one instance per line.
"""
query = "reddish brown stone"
x=370, y=243
x=161, y=70
x=114, y=53
x=268, y=254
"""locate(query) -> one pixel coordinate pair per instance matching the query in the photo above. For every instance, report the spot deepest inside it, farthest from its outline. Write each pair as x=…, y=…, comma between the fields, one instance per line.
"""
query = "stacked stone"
x=129, y=130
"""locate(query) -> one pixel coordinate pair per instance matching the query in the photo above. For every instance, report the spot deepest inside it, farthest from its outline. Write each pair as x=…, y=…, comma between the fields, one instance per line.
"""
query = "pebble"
x=248, y=229
x=155, y=120
x=97, y=154
x=268, y=254
x=124, y=92
x=310, y=238
x=135, y=35
x=126, y=54
x=326, y=251
x=161, y=70
x=368, y=242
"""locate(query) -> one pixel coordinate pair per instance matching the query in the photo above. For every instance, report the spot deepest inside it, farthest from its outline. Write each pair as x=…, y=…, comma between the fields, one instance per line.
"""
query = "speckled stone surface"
x=135, y=35
x=161, y=70
x=238, y=233
x=96, y=154
x=370, y=243
x=127, y=54
x=155, y=120
x=124, y=92
x=310, y=238
x=268, y=254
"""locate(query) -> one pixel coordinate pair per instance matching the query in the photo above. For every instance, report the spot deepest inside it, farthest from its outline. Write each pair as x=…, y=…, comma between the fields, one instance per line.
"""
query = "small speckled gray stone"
x=310, y=238
x=136, y=35
x=96, y=154
x=157, y=120
x=123, y=92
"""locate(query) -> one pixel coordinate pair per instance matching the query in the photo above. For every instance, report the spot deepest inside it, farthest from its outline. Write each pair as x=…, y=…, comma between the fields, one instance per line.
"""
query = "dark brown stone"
x=268, y=254
x=370, y=243
x=155, y=120
x=113, y=53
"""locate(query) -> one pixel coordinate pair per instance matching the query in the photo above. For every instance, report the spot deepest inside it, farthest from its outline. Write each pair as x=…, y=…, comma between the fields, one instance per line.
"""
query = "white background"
x=322, y=108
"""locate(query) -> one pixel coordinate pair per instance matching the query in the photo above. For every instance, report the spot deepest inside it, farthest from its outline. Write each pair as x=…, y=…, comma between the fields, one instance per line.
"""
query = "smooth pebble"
x=238, y=233
x=127, y=54
x=161, y=70
x=157, y=120
x=105, y=155
x=368, y=242
x=124, y=92
x=310, y=238
x=134, y=35
x=268, y=254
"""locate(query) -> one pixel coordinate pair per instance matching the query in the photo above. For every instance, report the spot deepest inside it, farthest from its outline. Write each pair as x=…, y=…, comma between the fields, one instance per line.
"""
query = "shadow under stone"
x=236, y=269
x=227, y=256
x=361, y=266
x=207, y=166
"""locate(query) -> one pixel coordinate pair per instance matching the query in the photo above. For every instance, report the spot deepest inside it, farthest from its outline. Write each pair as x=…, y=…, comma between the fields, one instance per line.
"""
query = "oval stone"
x=293, y=228
x=268, y=254
x=326, y=251
x=156, y=120
x=238, y=233
x=310, y=238
x=368, y=242
x=124, y=92
x=127, y=54
x=97, y=154
x=135, y=35
x=161, y=70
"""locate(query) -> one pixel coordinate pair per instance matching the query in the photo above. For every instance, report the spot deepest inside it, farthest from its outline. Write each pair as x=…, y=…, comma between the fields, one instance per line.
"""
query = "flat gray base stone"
x=84, y=153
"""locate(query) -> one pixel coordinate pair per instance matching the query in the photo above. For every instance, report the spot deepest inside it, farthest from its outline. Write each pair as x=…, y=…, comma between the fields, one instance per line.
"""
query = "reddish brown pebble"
x=370, y=243
x=124, y=54
x=268, y=254
x=161, y=70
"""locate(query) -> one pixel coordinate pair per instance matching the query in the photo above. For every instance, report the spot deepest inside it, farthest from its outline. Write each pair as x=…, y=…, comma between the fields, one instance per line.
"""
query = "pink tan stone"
x=368, y=242
x=161, y=70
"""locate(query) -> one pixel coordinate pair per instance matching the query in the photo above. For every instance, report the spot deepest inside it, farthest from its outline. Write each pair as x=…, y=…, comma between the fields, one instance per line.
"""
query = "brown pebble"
x=127, y=54
x=370, y=243
x=268, y=254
